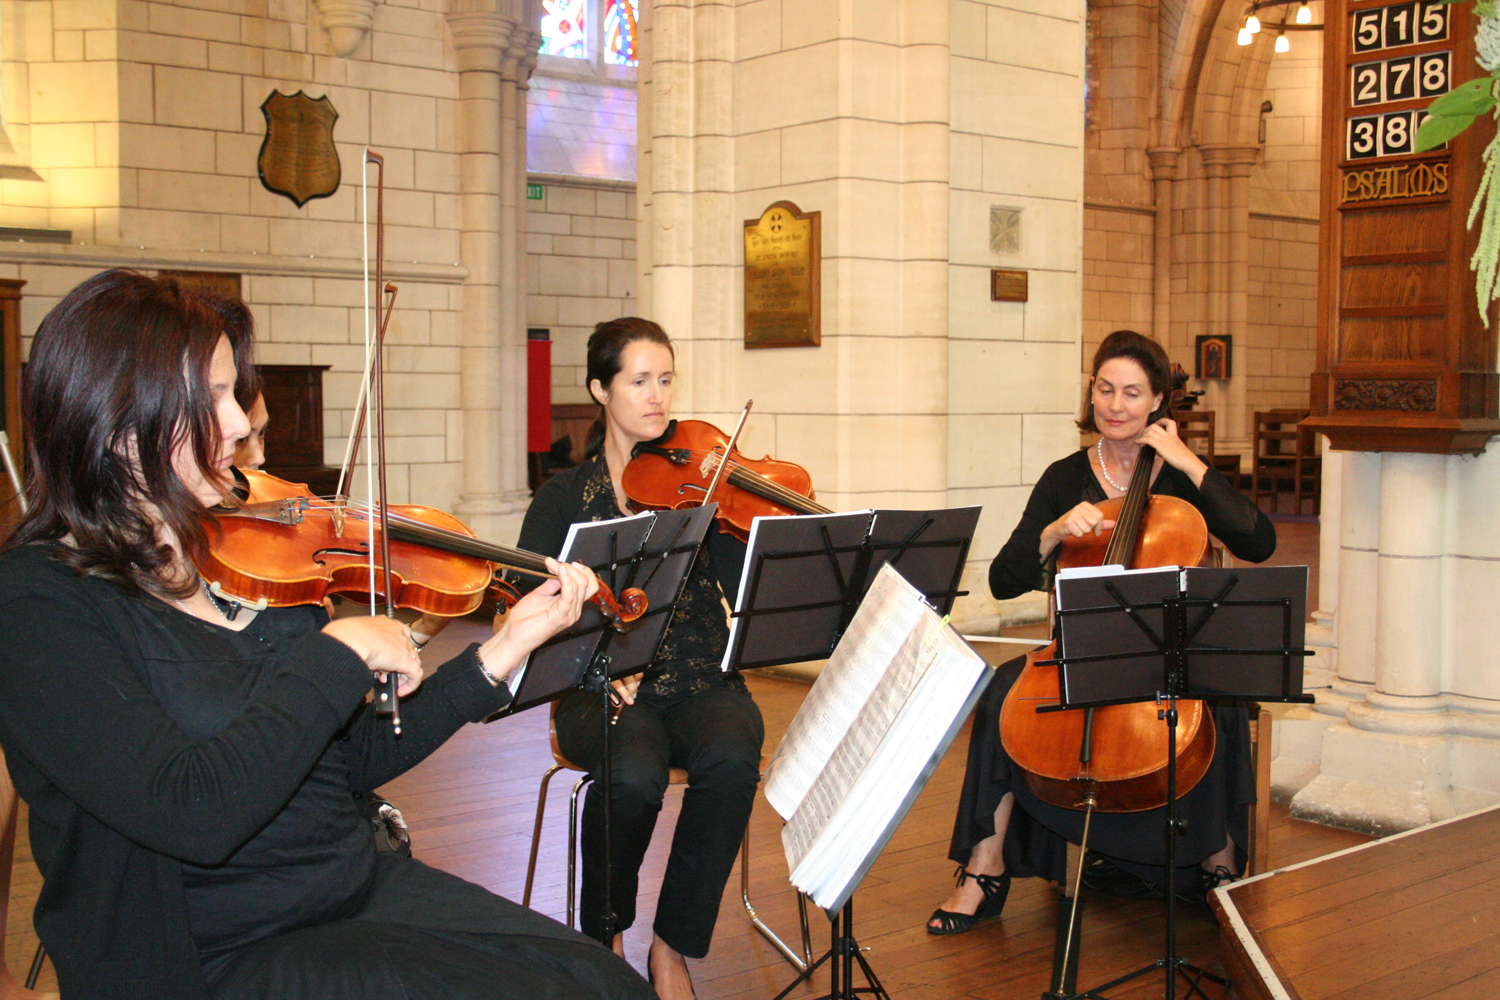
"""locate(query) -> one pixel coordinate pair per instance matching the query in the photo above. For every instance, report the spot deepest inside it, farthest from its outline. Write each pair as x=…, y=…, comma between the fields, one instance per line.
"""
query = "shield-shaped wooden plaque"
x=298, y=158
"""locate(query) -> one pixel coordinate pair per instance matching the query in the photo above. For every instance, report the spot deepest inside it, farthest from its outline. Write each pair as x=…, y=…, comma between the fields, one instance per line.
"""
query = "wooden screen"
x=1404, y=360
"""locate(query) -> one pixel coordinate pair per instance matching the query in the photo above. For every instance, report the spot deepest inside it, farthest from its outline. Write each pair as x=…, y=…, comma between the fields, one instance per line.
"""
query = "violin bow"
x=713, y=484
x=372, y=388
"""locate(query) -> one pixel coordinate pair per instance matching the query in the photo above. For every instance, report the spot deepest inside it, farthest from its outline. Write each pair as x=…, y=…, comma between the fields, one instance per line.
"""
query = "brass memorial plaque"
x=783, y=256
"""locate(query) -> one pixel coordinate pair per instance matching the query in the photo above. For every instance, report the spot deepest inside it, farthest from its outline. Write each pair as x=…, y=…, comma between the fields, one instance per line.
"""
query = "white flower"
x=1487, y=41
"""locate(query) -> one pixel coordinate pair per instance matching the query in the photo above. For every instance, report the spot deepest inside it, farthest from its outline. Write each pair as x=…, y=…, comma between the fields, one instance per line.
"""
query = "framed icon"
x=1215, y=357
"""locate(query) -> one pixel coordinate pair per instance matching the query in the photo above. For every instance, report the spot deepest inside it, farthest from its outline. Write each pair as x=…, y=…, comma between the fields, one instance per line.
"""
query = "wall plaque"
x=1009, y=286
x=298, y=158
x=783, y=277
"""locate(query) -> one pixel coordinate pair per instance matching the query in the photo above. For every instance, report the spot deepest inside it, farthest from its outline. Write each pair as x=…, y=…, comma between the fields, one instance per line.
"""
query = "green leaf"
x=1438, y=129
x=1470, y=98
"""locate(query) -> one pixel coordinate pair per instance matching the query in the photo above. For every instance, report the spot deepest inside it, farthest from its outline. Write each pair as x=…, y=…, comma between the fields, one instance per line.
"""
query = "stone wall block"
x=81, y=15
x=161, y=50
x=757, y=28
x=976, y=367
x=974, y=461
x=999, y=100
x=193, y=192
x=815, y=98
x=1033, y=40
x=190, y=97
x=72, y=92
x=162, y=230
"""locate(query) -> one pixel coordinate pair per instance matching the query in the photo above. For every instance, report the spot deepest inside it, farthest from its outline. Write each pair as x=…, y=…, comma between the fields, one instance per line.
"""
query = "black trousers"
x=716, y=735
x=1037, y=838
x=423, y=934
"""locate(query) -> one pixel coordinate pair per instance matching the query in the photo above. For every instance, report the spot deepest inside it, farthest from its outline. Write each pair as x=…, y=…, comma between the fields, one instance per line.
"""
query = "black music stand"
x=1166, y=634
x=653, y=551
x=805, y=576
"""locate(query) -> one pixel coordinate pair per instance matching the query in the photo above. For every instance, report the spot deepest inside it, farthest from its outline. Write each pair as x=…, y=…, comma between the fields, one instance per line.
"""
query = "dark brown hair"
x=118, y=378
x=606, y=348
x=1138, y=348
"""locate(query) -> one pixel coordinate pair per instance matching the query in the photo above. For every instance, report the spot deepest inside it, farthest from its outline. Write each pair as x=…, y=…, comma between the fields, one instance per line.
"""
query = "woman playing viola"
x=195, y=781
x=1002, y=830
x=684, y=711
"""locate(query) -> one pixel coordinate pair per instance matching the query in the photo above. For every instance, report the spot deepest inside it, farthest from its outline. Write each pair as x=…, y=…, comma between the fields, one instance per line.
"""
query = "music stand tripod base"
x=843, y=952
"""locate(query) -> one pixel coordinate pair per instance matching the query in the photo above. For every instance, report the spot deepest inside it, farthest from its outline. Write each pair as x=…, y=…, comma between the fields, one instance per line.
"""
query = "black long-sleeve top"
x=1066, y=483
x=693, y=648
x=192, y=787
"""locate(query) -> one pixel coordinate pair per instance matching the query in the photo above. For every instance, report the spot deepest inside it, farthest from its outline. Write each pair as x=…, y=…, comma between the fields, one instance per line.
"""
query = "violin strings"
x=766, y=488
x=421, y=531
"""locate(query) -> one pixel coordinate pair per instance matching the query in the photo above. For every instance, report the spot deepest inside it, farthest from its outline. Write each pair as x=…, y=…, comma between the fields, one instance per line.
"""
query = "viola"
x=285, y=547
x=678, y=469
x=1125, y=746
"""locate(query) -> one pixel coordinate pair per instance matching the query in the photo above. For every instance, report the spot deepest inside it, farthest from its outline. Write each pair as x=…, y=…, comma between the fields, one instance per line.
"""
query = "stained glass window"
x=563, y=26
x=619, y=32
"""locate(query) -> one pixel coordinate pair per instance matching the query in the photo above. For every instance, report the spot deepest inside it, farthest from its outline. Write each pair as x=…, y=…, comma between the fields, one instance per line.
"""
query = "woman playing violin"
x=684, y=711
x=194, y=781
x=1001, y=829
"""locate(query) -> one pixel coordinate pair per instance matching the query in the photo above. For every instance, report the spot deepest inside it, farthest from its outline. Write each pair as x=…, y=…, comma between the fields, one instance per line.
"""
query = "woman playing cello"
x=193, y=777
x=684, y=711
x=1001, y=829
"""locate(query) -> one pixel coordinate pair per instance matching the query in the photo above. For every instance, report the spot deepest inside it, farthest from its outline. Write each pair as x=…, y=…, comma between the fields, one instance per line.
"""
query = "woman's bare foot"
x=669, y=972
x=619, y=946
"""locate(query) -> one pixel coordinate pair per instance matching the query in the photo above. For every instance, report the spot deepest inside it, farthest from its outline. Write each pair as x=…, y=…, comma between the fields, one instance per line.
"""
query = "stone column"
x=1163, y=174
x=1330, y=524
x=493, y=493
x=1229, y=173
x=1357, y=566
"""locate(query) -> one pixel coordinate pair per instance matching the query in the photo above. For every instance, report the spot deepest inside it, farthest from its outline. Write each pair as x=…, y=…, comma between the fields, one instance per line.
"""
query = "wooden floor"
x=471, y=807
x=1408, y=917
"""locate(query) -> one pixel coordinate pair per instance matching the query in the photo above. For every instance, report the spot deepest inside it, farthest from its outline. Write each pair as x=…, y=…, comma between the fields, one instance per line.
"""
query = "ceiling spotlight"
x=1283, y=43
x=1243, y=37
x=1252, y=24
x=1304, y=16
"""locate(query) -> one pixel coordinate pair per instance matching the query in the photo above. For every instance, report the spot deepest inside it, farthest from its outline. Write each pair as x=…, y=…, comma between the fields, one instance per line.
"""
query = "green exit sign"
x=533, y=192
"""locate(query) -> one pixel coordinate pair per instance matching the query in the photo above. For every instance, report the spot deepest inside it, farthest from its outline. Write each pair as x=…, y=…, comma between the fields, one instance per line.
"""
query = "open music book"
x=868, y=736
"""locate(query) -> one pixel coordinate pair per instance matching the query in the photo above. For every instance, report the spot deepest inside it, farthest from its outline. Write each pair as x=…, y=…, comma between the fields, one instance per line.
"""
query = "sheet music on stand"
x=1245, y=627
x=654, y=551
x=868, y=736
x=804, y=576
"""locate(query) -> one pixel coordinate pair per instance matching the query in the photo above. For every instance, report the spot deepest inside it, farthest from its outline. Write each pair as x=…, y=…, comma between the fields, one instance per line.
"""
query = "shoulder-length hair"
x=117, y=382
x=1137, y=347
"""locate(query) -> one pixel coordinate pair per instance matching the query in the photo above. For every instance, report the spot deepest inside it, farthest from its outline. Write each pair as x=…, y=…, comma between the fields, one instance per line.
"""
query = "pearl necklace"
x=1105, y=469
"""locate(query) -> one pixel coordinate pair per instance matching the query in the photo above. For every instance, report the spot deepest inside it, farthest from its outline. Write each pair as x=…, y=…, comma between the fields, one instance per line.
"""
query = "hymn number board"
x=1405, y=361
x=1418, y=69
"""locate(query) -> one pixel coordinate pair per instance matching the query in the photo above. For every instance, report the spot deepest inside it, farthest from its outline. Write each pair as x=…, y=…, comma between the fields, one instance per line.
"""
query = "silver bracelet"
x=494, y=681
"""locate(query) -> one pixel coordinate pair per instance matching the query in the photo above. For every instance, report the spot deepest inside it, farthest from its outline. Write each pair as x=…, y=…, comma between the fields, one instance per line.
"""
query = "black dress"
x=1038, y=834
x=688, y=713
x=193, y=794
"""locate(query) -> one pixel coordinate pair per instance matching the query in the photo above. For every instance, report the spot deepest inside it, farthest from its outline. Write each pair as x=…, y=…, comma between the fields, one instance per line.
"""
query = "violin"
x=280, y=546
x=679, y=469
x=1113, y=758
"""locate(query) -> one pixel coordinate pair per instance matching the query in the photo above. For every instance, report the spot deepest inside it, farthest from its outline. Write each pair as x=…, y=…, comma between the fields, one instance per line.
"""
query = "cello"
x=1113, y=758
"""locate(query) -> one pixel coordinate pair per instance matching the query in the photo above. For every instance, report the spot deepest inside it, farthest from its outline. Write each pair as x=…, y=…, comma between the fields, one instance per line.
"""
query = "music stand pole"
x=597, y=679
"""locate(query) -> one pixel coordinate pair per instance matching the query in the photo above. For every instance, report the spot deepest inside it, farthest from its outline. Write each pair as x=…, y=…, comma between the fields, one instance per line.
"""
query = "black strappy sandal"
x=995, y=889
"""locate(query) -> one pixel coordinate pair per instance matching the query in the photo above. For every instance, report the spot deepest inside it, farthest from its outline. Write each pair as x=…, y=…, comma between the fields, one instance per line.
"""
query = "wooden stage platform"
x=1415, y=915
